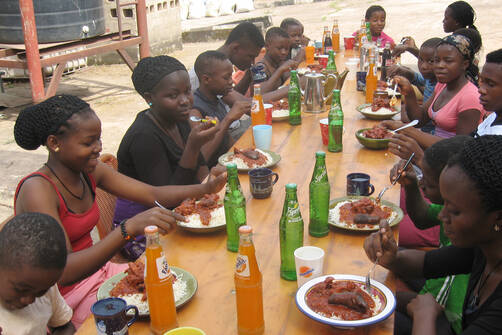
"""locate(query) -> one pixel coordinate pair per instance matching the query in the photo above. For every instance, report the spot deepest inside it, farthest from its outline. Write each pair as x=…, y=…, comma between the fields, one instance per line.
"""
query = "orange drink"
x=335, y=36
x=309, y=54
x=371, y=80
x=159, y=285
x=257, y=109
x=248, y=287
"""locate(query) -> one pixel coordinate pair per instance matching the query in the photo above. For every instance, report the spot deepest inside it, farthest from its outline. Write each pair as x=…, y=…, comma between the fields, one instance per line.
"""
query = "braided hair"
x=35, y=123
x=150, y=70
x=32, y=239
x=481, y=160
x=463, y=13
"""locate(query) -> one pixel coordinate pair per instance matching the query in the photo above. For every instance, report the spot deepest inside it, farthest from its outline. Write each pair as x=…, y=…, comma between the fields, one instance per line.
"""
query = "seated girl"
x=449, y=291
x=471, y=187
x=454, y=107
x=376, y=15
x=160, y=148
x=64, y=188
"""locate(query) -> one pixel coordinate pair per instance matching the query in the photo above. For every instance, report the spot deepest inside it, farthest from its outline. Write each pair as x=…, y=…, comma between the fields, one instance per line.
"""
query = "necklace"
x=66, y=188
x=474, y=300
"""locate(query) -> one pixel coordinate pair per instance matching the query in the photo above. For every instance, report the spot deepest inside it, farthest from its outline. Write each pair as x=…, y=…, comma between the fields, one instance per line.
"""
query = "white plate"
x=388, y=303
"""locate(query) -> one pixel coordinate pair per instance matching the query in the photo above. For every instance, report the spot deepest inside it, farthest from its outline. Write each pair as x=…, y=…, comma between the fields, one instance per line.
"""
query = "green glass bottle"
x=319, y=197
x=294, y=100
x=331, y=66
x=335, y=121
x=235, y=208
x=368, y=32
x=290, y=232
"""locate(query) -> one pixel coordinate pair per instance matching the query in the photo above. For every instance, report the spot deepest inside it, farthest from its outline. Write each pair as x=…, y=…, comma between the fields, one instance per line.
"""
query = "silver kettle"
x=314, y=97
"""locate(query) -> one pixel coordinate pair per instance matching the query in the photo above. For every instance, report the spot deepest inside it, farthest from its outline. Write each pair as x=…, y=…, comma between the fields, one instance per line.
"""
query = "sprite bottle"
x=294, y=100
x=335, y=122
x=290, y=232
x=331, y=66
x=319, y=197
x=235, y=208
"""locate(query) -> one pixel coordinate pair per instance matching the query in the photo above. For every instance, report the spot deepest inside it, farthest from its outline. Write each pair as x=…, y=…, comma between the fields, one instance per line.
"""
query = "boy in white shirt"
x=490, y=94
x=32, y=259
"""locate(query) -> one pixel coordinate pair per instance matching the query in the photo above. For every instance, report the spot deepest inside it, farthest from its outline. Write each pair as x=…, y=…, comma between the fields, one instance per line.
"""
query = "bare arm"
x=243, y=85
x=275, y=79
x=67, y=329
x=278, y=94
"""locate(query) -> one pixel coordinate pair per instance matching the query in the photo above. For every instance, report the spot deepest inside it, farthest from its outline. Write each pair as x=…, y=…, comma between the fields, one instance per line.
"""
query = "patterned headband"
x=462, y=43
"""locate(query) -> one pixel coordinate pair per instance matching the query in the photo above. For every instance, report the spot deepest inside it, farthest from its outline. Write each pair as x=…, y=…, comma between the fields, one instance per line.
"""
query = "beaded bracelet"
x=125, y=235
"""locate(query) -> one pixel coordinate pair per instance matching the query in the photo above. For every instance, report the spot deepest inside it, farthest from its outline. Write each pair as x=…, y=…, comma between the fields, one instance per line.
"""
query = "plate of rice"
x=205, y=215
x=280, y=114
x=312, y=300
x=266, y=159
x=393, y=214
x=381, y=114
x=184, y=288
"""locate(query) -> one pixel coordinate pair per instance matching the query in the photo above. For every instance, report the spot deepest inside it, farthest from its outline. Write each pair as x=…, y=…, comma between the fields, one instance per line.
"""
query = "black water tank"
x=57, y=20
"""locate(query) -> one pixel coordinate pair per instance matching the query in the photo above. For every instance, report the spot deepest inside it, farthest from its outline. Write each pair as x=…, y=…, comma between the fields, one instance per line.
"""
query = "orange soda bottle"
x=335, y=36
x=248, y=287
x=257, y=109
x=371, y=80
x=159, y=285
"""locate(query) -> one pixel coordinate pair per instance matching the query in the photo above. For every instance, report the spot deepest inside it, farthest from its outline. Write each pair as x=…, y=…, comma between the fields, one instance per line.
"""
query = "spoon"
x=411, y=124
x=367, y=285
x=196, y=119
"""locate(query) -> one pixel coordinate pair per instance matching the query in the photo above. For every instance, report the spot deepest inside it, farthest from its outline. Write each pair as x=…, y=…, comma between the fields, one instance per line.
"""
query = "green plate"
x=276, y=158
x=371, y=143
x=377, y=116
x=395, y=208
x=107, y=286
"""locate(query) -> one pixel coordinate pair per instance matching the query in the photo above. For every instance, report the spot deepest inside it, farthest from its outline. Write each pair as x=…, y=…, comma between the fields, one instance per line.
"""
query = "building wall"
x=164, y=28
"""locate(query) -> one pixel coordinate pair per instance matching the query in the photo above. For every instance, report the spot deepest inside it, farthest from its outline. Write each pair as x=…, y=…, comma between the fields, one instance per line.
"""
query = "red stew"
x=363, y=206
x=203, y=207
x=317, y=299
x=246, y=154
x=377, y=133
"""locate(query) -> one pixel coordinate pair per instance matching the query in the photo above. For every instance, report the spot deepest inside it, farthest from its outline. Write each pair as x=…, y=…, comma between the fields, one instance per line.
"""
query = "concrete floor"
x=110, y=92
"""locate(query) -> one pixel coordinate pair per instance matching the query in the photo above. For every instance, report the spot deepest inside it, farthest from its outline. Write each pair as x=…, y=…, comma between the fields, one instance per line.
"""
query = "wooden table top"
x=213, y=307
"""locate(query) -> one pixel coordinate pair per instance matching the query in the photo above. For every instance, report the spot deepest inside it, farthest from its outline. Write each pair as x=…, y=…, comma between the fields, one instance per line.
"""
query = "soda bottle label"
x=242, y=266
x=255, y=107
x=318, y=178
x=162, y=267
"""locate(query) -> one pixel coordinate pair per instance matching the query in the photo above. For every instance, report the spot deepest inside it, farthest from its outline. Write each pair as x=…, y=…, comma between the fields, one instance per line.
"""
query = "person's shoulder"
x=470, y=88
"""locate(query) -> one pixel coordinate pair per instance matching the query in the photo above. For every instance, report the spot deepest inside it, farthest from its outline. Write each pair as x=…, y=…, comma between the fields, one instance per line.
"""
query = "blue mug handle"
x=275, y=179
x=136, y=314
x=372, y=189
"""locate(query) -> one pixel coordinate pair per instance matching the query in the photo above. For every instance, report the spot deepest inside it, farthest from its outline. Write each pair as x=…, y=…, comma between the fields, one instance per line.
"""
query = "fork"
x=380, y=195
x=367, y=285
x=393, y=100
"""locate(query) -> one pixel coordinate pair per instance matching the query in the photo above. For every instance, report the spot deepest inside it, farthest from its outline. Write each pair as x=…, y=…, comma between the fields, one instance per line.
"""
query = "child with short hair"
x=298, y=41
x=32, y=259
x=214, y=71
x=376, y=15
x=276, y=64
x=490, y=94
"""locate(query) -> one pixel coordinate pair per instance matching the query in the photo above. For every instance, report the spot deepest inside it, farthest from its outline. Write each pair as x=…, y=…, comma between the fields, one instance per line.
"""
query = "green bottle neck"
x=233, y=180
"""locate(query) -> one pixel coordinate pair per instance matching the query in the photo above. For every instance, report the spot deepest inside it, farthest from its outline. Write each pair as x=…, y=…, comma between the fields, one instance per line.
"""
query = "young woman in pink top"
x=454, y=108
x=376, y=15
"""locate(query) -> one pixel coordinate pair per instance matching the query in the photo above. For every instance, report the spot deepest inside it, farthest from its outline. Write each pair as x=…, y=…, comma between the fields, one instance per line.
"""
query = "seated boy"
x=32, y=259
x=425, y=80
x=214, y=71
x=276, y=63
x=298, y=41
x=490, y=94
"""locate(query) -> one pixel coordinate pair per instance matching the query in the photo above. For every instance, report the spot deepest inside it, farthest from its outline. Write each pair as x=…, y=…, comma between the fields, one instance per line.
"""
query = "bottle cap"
x=151, y=229
x=291, y=186
x=320, y=154
x=245, y=229
x=257, y=86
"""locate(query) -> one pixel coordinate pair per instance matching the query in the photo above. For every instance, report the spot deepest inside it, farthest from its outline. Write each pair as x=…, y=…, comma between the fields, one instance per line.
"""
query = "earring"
x=57, y=149
x=150, y=104
x=496, y=228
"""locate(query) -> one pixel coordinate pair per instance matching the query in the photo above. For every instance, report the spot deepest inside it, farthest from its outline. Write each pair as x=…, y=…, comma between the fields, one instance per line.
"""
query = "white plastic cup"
x=352, y=65
x=309, y=262
x=262, y=134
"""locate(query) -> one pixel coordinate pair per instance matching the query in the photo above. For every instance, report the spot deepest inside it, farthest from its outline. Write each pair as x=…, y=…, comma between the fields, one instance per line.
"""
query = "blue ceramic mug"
x=359, y=184
x=110, y=316
x=261, y=182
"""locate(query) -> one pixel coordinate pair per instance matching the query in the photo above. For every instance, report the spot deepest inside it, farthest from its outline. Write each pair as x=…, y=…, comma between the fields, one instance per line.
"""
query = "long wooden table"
x=213, y=307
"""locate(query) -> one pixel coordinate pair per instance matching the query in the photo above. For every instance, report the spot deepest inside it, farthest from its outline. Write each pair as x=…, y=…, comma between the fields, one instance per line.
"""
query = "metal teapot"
x=319, y=90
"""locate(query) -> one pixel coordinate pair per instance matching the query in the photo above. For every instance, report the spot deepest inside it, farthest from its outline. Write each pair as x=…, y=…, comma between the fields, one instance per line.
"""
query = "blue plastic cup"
x=262, y=135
